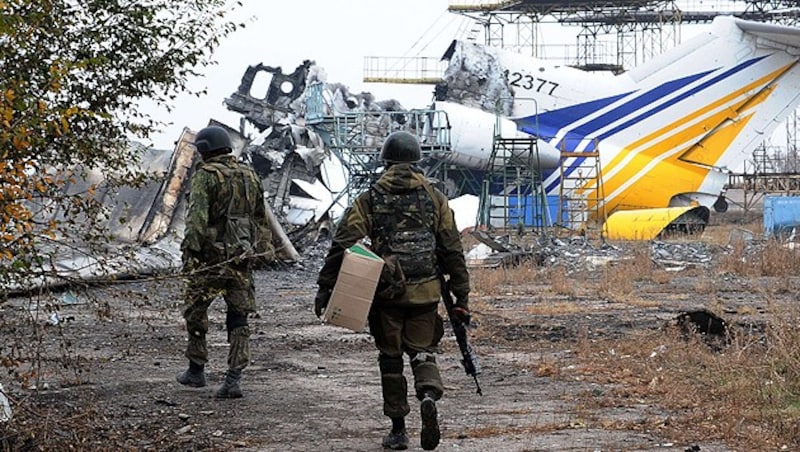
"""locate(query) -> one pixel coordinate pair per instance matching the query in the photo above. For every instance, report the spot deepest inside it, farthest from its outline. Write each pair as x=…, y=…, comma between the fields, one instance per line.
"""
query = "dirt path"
x=316, y=387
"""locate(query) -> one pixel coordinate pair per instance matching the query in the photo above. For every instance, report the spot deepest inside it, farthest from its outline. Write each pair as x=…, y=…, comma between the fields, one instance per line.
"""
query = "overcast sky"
x=336, y=34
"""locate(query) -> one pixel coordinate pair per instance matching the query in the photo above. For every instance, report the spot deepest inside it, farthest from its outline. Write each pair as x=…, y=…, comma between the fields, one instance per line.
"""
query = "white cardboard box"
x=355, y=286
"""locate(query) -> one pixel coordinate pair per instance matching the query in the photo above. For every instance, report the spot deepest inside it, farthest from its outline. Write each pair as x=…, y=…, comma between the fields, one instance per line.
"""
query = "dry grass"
x=507, y=280
x=618, y=283
x=745, y=396
x=772, y=259
x=725, y=231
x=561, y=283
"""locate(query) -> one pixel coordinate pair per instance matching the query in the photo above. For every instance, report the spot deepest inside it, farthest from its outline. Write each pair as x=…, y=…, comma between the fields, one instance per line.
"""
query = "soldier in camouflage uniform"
x=226, y=225
x=411, y=226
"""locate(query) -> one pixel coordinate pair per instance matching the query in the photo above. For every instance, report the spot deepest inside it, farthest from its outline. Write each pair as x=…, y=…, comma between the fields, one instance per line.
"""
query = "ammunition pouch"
x=392, y=283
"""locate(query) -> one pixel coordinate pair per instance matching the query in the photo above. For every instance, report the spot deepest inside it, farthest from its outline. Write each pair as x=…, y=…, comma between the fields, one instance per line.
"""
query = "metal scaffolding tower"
x=356, y=138
x=642, y=28
x=511, y=195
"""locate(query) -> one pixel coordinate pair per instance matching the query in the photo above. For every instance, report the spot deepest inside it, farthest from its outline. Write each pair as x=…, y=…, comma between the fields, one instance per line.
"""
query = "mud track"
x=316, y=387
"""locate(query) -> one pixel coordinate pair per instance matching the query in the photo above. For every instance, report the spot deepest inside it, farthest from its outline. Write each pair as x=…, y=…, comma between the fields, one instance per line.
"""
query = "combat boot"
x=194, y=376
x=429, y=435
x=396, y=440
x=230, y=387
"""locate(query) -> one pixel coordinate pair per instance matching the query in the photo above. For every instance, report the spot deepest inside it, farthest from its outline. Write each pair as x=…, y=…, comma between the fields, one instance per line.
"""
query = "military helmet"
x=212, y=139
x=401, y=147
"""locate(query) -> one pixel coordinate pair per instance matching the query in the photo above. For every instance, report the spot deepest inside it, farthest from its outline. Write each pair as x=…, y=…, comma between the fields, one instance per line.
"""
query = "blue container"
x=781, y=214
x=529, y=209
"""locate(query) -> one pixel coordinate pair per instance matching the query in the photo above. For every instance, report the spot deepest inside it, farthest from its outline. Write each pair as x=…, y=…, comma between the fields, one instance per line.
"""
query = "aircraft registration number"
x=529, y=82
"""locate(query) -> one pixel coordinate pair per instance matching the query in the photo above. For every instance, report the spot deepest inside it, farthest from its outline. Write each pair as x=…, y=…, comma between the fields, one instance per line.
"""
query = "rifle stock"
x=469, y=360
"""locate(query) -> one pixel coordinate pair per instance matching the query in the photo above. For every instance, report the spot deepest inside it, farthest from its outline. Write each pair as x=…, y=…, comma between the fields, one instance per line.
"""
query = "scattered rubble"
x=579, y=253
x=680, y=255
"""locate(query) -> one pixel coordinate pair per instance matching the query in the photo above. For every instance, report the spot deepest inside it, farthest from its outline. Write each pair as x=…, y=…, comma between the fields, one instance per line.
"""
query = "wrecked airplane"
x=661, y=136
x=541, y=149
x=319, y=143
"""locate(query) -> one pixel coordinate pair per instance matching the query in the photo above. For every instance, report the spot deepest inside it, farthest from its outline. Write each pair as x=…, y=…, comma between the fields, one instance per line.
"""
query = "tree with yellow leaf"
x=74, y=74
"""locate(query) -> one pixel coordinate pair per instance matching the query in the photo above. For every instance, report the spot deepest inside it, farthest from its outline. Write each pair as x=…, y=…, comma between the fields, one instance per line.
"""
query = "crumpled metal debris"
x=577, y=253
x=680, y=255
x=580, y=253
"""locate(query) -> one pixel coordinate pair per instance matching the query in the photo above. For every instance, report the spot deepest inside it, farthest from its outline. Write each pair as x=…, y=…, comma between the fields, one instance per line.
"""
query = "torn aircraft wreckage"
x=145, y=223
x=637, y=154
x=314, y=146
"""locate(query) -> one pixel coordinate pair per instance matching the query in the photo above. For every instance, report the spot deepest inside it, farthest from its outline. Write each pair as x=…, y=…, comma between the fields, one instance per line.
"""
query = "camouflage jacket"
x=359, y=222
x=221, y=185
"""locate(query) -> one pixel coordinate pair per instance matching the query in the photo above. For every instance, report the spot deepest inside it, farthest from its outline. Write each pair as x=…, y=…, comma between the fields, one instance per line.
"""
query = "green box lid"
x=361, y=250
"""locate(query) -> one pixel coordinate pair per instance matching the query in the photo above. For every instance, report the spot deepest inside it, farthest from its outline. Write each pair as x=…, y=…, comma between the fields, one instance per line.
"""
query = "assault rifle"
x=468, y=358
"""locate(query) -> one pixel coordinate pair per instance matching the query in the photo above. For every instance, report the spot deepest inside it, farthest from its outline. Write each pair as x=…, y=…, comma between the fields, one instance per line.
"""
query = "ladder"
x=581, y=193
x=511, y=194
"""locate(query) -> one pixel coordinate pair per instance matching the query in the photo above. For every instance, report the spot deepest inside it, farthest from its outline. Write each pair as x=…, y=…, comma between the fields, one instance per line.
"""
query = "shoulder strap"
x=373, y=189
x=245, y=173
x=216, y=168
x=221, y=170
x=431, y=193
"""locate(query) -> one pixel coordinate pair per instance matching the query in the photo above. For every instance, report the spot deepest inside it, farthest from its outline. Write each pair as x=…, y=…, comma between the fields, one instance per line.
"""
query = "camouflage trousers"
x=415, y=331
x=238, y=290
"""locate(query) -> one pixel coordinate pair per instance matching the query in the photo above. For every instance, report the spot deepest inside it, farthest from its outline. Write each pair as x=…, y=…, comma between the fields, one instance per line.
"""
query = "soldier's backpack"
x=404, y=236
x=238, y=235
